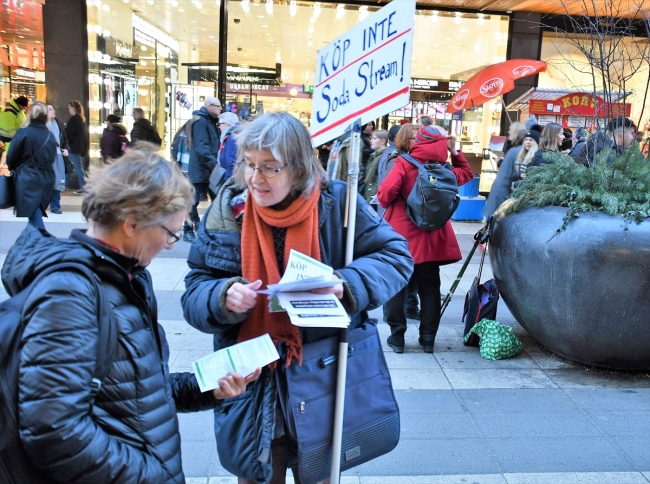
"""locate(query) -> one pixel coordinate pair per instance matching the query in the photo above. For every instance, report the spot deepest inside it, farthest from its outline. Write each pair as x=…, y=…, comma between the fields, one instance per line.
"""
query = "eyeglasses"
x=265, y=171
x=173, y=237
x=216, y=105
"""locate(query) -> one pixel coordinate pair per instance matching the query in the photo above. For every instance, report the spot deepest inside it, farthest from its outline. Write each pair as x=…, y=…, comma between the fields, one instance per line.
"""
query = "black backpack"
x=481, y=302
x=15, y=466
x=434, y=196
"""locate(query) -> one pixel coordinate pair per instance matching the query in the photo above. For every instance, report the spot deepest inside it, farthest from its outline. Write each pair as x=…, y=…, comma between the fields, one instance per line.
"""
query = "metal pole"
x=223, y=51
x=339, y=406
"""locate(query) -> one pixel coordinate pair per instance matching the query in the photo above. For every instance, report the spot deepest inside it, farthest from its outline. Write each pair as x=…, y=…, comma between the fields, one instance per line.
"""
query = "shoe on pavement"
x=56, y=211
x=79, y=192
x=427, y=345
x=413, y=314
x=189, y=237
x=396, y=341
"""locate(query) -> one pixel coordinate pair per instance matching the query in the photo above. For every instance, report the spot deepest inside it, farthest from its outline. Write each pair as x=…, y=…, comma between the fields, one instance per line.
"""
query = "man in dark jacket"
x=143, y=130
x=203, y=157
x=114, y=139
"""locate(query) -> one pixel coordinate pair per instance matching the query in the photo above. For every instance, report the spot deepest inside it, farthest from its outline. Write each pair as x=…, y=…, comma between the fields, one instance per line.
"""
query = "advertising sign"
x=364, y=73
x=578, y=104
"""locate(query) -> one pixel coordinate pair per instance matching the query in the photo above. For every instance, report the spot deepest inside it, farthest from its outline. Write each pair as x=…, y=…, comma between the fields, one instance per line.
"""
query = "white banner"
x=364, y=73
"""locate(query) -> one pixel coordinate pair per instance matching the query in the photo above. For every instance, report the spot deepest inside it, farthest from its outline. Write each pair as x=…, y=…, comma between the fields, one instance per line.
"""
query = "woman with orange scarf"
x=280, y=199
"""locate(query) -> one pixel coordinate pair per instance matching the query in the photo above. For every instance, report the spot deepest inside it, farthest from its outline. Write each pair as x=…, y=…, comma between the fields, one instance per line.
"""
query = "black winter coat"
x=131, y=434
x=113, y=137
x=143, y=131
x=31, y=158
x=77, y=134
x=205, y=146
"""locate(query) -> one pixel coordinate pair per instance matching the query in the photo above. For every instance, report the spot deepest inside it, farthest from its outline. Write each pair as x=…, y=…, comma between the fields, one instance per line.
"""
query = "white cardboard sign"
x=364, y=73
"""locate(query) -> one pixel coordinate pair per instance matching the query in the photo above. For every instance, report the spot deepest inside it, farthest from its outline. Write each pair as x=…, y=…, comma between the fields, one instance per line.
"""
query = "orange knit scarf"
x=259, y=262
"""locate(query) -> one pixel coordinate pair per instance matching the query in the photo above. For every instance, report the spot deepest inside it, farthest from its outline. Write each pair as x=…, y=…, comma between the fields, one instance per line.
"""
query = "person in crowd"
x=549, y=141
x=404, y=140
x=12, y=119
x=513, y=130
x=383, y=161
x=181, y=146
x=203, y=158
x=622, y=131
x=425, y=121
x=379, y=143
x=57, y=128
x=502, y=185
x=244, y=243
x=324, y=153
x=31, y=159
x=114, y=141
x=227, y=155
x=529, y=149
x=143, y=130
x=430, y=249
x=77, y=134
x=579, y=149
x=128, y=432
x=366, y=149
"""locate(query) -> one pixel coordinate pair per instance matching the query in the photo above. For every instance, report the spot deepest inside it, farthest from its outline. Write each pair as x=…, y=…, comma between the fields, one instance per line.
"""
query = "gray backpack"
x=434, y=197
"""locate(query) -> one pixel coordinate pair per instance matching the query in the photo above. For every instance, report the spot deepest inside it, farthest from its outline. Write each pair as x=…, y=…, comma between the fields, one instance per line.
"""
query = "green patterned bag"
x=497, y=341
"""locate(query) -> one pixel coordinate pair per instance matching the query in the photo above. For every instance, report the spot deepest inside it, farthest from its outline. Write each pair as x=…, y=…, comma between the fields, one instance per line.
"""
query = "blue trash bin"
x=470, y=189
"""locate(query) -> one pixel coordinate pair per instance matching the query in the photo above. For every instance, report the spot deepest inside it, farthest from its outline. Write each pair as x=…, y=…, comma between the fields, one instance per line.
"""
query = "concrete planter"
x=583, y=294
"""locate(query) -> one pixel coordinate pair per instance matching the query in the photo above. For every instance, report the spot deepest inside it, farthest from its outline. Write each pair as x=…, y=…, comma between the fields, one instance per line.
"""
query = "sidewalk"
x=535, y=418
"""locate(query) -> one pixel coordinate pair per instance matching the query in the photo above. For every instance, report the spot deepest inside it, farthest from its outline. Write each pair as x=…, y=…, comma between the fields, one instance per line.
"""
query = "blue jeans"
x=78, y=168
x=37, y=219
x=55, y=202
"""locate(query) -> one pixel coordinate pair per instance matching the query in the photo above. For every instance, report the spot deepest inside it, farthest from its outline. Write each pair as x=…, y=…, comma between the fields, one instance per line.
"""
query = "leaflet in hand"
x=311, y=310
x=301, y=275
x=243, y=358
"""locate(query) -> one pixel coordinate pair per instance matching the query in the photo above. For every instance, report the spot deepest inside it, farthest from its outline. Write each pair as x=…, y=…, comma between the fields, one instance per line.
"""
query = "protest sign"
x=364, y=73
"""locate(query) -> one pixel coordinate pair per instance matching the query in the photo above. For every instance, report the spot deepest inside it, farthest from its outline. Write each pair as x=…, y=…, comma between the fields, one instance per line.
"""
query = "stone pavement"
x=535, y=418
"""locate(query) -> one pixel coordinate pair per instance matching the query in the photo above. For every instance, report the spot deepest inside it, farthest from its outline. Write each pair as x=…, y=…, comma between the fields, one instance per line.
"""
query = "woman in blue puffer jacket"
x=280, y=199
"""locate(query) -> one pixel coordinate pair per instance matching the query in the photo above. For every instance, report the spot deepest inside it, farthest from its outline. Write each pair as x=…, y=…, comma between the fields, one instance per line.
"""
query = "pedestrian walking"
x=114, y=141
x=227, y=155
x=126, y=430
x=77, y=134
x=31, y=157
x=289, y=204
x=57, y=128
x=429, y=249
x=203, y=158
x=143, y=130
x=12, y=119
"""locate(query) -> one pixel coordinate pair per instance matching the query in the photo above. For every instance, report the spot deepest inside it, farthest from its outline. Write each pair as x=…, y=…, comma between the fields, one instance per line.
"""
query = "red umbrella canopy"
x=495, y=80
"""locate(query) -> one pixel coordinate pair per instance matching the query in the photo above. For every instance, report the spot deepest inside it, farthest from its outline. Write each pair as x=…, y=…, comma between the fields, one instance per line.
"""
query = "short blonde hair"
x=289, y=142
x=140, y=185
x=38, y=112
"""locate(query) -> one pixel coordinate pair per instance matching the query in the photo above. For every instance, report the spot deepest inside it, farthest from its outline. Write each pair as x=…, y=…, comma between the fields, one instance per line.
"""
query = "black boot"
x=396, y=341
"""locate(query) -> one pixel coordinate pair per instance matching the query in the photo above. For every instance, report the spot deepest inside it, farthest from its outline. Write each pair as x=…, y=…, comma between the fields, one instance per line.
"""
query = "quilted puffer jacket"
x=131, y=434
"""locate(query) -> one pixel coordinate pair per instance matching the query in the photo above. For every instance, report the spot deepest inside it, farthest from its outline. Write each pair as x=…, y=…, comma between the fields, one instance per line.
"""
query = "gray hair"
x=140, y=185
x=289, y=142
x=229, y=118
x=138, y=113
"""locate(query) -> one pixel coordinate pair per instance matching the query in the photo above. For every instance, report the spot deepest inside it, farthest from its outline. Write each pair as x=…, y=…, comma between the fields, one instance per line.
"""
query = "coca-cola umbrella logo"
x=523, y=71
x=459, y=102
x=492, y=87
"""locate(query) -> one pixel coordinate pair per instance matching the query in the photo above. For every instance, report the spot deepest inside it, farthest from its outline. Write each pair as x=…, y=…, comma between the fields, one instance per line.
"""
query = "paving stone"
x=558, y=455
x=413, y=361
x=473, y=360
x=197, y=456
x=517, y=401
x=577, y=478
x=430, y=425
x=457, y=479
x=623, y=424
x=546, y=360
x=436, y=401
x=585, y=377
x=498, y=378
x=604, y=400
x=197, y=426
x=431, y=457
x=535, y=425
x=433, y=379
x=637, y=449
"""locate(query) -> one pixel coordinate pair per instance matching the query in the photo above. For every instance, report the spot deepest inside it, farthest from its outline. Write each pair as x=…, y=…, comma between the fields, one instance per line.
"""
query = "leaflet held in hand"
x=243, y=358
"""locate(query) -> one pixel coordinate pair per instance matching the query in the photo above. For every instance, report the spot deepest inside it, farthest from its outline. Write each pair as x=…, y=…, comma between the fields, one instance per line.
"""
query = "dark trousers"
x=200, y=189
x=427, y=279
x=55, y=202
x=37, y=219
x=280, y=451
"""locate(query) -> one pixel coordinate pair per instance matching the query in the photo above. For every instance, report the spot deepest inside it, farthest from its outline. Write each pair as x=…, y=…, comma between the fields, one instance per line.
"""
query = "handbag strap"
x=49, y=134
x=480, y=266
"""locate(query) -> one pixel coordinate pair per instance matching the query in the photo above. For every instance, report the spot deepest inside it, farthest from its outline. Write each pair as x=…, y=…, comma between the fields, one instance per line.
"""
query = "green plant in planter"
x=614, y=184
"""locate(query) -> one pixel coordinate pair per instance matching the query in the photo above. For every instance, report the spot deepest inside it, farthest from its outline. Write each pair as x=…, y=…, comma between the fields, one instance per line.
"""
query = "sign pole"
x=339, y=405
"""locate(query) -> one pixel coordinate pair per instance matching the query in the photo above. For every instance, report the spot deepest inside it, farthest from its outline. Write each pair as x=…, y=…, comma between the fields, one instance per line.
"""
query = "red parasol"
x=495, y=80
